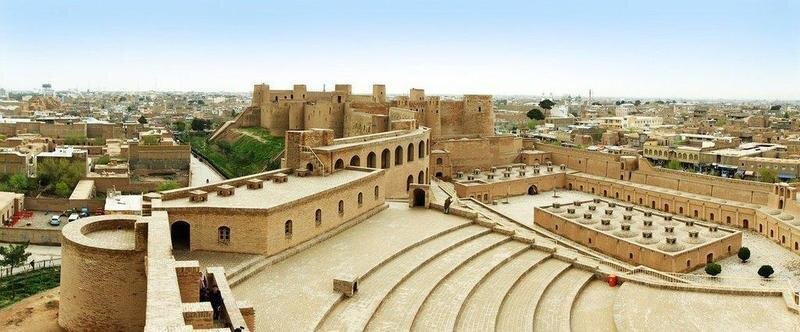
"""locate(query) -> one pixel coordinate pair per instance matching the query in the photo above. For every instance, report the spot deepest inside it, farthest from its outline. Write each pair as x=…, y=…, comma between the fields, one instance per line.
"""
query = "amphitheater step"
x=395, y=313
x=479, y=312
x=594, y=308
x=353, y=314
x=440, y=310
x=554, y=309
x=519, y=305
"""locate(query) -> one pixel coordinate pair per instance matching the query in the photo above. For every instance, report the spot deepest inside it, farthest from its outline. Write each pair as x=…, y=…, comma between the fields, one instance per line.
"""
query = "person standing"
x=216, y=301
x=447, y=203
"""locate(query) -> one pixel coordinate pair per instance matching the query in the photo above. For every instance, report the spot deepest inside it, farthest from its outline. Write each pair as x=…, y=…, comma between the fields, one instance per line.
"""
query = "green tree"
x=200, y=124
x=637, y=102
x=102, y=160
x=151, y=140
x=168, y=185
x=765, y=271
x=179, y=125
x=547, y=104
x=713, y=269
x=775, y=108
x=743, y=254
x=532, y=124
x=673, y=164
x=50, y=172
x=14, y=255
x=74, y=139
x=142, y=120
x=18, y=183
x=535, y=114
x=62, y=190
x=767, y=175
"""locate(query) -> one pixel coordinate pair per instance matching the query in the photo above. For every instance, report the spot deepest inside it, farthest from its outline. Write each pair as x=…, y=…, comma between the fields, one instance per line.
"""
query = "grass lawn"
x=21, y=286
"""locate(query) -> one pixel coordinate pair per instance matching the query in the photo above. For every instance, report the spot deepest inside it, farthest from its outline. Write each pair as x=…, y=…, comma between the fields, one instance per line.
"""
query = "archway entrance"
x=339, y=164
x=532, y=190
x=745, y=224
x=439, y=175
x=710, y=258
x=180, y=235
x=355, y=161
x=419, y=197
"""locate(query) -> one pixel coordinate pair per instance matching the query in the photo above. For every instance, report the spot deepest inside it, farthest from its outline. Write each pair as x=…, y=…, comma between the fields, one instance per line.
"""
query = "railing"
x=27, y=267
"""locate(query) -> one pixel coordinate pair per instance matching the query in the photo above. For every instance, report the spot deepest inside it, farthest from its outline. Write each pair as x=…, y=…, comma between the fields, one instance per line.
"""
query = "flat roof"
x=83, y=190
x=273, y=194
x=124, y=203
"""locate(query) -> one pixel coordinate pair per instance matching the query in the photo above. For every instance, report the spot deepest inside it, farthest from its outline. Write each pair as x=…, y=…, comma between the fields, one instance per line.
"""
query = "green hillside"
x=254, y=150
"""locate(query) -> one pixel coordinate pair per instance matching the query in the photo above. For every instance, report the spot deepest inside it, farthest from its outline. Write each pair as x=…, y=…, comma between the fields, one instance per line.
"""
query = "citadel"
x=411, y=213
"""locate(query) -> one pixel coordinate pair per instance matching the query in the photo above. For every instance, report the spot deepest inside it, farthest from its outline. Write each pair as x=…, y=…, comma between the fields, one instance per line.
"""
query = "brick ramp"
x=518, y=306
x=554, y=309
x=395, y=313
x=479, y=312
x=352, y=314
x=440, y=310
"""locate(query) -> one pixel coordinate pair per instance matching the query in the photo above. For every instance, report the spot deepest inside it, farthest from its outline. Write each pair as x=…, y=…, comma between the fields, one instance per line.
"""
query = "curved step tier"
x=519, y=304
x=553, y=310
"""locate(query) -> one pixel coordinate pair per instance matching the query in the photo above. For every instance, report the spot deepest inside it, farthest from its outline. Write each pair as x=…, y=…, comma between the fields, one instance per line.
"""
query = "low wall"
x=48, y=237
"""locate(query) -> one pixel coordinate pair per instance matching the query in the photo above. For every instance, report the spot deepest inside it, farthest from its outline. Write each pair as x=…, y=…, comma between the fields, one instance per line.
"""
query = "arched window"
x=728, y=219
x=318, y=217
x=409, y=181
x=287, y=229
x=386, y=158
x=356, y=161
x=421, y=148
x=377, y=192
x=398, y=155
x=410, y=152
x=224, y=234
x=711, y=216
x=438, y=161
x=421, y=177
x=360, y=199
x=371, y=160
x=339, y=164
x=341, y=207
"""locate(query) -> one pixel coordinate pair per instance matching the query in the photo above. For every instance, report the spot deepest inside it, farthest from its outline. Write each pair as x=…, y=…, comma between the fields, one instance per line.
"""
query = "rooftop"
x=274, y=194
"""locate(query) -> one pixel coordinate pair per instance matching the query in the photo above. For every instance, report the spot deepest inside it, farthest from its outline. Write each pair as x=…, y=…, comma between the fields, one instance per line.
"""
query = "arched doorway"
x=339, y=164
x=419, y=197
x=745, y=224
x=569, y=186
x=409, y=181
x=439, y=175
x=710, y=258
x=421, y=177
x=356, y=160
x=371, y=163
x=310, y=167
x=532, y=190
x=180, y=235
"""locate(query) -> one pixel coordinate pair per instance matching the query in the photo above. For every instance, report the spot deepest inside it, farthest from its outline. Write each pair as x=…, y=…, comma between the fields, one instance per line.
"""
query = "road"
x=202, y=172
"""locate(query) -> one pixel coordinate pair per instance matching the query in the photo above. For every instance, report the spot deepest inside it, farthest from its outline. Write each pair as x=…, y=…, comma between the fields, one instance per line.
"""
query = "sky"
x=687, y=49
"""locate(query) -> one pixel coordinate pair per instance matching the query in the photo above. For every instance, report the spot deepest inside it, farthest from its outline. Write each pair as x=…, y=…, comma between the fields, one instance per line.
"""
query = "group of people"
x=213, y=295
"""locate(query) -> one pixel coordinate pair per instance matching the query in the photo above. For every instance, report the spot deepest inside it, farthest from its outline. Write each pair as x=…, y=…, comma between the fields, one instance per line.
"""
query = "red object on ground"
x=612, y=280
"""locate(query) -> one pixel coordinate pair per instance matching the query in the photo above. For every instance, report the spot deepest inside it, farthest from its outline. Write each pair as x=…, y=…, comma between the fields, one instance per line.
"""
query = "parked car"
x=55, y=220
x=84, y=212
x=73, y=217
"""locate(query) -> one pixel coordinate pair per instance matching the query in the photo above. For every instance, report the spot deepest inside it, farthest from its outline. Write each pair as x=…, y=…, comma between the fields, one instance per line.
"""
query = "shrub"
x=744, y=254
x=168, y=185
x=765, y=271
x=102, y=160
x=713, y=269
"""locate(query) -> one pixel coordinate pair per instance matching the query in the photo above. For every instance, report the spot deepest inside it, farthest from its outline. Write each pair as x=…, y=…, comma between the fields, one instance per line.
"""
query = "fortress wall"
x=159, y=156
x=58, y=130
x=262, y=231
x=468, y=154
x=103, y=283
x=358, y=124
x=595, y=163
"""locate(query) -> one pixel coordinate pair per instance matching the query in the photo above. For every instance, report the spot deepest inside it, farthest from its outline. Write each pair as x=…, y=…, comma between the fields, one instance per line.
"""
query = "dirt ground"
x=36, y=313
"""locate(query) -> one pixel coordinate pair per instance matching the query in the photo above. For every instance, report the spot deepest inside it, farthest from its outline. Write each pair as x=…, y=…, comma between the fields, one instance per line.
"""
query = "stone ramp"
x=518, y=306
x=480, y=311
x=395, y=313
x=594, y=308
x=440, y=310
x=303, y=302
x=352, y=314
x=642, y=308
x=554, y=309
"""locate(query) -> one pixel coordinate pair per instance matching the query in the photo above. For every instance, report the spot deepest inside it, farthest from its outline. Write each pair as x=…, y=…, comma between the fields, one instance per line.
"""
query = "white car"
x=55, y=220
x=73, y=217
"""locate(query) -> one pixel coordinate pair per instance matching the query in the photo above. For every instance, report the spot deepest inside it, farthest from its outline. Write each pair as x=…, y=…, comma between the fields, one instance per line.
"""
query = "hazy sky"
x=726, y=49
